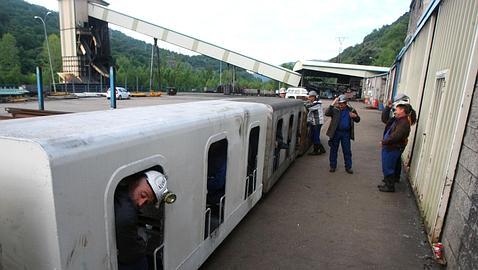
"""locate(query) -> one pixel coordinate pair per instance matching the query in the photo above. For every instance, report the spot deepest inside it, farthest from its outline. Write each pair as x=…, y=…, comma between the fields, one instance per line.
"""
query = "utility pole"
x=341, y=40
x=48, y=47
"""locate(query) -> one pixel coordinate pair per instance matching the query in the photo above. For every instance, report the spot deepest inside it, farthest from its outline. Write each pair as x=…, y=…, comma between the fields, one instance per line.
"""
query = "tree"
x=123, y=64
x=55, y=51
x=10, y=71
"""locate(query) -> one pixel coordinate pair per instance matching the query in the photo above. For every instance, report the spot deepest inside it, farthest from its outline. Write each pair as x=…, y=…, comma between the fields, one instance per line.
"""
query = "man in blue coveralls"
x=341, y=131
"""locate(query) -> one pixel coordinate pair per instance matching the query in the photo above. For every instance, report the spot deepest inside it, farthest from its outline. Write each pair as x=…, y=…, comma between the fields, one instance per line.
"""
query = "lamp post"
x=48, y=47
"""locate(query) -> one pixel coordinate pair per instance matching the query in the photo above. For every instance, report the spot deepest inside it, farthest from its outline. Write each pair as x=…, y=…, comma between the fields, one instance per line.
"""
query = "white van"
x=297, y=93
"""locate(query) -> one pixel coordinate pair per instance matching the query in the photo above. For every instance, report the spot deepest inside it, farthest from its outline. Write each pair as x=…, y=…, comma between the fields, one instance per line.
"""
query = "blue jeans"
x=343, y=138
x=315, y=133
x=389, y=161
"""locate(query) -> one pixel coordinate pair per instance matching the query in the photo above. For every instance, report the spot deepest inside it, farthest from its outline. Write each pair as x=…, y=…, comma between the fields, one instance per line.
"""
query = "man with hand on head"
x=395, y=139
x=341, y=131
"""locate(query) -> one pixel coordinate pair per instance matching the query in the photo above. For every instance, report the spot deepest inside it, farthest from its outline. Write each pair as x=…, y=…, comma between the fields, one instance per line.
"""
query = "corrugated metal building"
x=438, y=69
x=374, y=90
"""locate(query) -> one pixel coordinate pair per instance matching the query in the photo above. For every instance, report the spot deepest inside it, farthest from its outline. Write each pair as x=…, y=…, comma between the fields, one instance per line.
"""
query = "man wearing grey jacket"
x=315, y=120
x=341, y=131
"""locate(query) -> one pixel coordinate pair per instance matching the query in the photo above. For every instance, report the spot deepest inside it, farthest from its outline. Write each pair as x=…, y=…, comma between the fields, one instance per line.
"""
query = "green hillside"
x=23, y=35
x=378, y=48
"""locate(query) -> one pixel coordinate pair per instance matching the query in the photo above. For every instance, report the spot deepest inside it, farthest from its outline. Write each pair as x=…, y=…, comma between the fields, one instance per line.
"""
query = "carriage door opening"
x=298, y=131
x=289, y=133
x=139, y=231
x=279, y=144
x=252, y=162
x=216, y=186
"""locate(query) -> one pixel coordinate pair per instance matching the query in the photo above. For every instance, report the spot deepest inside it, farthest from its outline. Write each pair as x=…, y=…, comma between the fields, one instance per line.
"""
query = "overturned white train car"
x=286, y=136
x=59, y=175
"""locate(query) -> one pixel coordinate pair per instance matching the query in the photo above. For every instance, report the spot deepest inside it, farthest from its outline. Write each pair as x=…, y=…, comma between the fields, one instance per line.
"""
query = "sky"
x=274, y=31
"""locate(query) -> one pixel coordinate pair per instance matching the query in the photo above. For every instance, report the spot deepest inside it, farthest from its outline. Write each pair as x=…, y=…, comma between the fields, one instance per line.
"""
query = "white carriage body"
x=59, y=173
x=293, y=115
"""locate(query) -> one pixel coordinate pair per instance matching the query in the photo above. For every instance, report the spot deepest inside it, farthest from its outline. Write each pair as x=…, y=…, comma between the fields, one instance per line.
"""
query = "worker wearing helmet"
x=133, y=193
x=282, y=93
x=341, y=131
x=315, y=120
x=395, y=139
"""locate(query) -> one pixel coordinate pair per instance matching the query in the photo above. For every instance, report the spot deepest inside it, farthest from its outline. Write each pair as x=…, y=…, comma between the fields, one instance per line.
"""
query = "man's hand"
x=335, y=101
x=352, y=115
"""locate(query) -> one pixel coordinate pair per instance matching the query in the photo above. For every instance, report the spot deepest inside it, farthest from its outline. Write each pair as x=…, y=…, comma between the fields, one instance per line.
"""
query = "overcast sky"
x=272, y=31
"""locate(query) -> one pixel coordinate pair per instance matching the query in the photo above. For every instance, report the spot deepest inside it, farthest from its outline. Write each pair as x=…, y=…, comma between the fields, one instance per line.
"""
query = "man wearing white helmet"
x=341, y=131
x=395, y=139
x=133, y=193
x=315, y=120
x=282, y=93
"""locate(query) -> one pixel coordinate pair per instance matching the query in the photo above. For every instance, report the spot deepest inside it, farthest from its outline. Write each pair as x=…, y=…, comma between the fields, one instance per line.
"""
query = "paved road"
x=313, y=219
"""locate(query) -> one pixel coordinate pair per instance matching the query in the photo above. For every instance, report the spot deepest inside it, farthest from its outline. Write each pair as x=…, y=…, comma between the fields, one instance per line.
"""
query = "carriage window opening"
x=290, y=132
x=279, y=144
x=252, y=162
x=216, y=185
x=139, y=223
x=298, y=134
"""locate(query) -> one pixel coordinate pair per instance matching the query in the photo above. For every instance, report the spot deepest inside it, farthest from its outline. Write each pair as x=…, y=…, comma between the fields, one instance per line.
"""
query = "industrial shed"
x=438, y=69
x=348, y=76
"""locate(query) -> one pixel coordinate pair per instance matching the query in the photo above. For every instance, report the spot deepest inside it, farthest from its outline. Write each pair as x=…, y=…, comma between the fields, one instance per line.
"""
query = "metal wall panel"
x=414, y=68
x=444, y=91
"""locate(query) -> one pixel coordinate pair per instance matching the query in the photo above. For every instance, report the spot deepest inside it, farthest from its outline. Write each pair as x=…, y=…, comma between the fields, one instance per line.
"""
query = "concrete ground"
x=101, y=103
x=314, y=219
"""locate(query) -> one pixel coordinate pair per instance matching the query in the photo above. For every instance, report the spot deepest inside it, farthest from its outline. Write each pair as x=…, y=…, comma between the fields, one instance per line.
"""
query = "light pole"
x=47, y=47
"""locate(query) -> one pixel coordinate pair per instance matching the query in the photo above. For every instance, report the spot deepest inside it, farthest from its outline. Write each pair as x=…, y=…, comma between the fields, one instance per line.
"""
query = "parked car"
x=297, y=93
x=171, y=91
x=121, y=93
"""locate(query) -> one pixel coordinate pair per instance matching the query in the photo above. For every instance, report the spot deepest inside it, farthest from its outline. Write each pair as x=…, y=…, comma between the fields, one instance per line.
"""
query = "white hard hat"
x=158, y=183
x=401, y=99
x=342, y=99
x=312, y=93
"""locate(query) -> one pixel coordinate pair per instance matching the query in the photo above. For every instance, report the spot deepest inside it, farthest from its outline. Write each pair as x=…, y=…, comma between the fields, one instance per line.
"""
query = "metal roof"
x=274, y=102
x=343, y=69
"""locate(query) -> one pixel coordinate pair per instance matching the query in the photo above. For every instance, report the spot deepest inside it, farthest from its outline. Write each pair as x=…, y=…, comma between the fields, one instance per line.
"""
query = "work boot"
x=383, y=184
x=321, y=149
x=389, y=185
x=332, y=170
x=316, y=151
x=396, y=179
x=349, y=170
